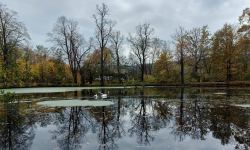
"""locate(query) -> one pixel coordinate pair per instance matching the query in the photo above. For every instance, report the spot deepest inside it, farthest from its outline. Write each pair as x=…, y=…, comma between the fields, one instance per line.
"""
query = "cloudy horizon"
x=162, y=15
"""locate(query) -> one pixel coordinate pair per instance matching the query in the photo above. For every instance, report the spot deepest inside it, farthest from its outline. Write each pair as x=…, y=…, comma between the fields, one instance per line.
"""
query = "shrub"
x=8, y=97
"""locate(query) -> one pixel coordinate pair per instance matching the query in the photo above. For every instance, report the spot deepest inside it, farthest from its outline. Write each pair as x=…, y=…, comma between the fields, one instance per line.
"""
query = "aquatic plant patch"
x=71, y=103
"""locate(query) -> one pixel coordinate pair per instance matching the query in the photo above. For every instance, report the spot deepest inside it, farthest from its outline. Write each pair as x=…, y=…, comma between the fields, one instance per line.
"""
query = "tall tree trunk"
x=229, y=70
x=182, y=67
x=74, y=73
x=90, y=77
x=118, y=68
x=82, y=76
x=142, y=72
x=102, y=65
x=196, y=73
x=4, y=68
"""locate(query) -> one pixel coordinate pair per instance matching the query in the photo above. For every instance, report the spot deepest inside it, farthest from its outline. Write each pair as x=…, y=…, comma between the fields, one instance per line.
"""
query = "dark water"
x=140, y=119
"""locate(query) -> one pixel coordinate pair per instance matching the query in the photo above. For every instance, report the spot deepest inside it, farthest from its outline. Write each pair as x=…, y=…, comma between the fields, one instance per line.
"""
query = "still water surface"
x=141, y=119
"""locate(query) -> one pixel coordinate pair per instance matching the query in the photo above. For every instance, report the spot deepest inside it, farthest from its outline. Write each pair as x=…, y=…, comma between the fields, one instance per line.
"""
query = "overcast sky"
x=163, y=15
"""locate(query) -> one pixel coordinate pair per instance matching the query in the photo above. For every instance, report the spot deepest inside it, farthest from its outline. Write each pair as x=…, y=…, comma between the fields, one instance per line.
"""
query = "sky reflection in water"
x=150, y=118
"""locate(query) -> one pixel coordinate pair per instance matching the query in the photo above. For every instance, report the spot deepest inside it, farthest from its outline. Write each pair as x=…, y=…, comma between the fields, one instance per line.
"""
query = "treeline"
x=194, y=55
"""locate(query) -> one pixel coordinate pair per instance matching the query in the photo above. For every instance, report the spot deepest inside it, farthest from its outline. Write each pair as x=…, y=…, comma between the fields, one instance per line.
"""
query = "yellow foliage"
x=163, y=67
x=149, y=79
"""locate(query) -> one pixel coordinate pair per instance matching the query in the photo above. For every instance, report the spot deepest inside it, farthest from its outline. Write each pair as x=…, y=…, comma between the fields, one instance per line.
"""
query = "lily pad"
x=220, y=93
x=71, y=103
x=242, y=105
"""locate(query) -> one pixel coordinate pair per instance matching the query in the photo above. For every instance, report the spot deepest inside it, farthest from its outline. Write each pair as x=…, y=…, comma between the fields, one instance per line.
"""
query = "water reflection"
x=138, y=117
x=141, y=120
x=17, y=128
x=71, y=128
x=191, y=120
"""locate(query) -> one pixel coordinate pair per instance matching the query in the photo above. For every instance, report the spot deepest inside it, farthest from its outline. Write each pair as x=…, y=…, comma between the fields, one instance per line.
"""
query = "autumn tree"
x=65, y=35
x=109, y=61
x=244, y=20
x=103, y=32
x=42, y=68
x=140, y=44
x=244, y=41
x=225, y=52
x=82, y=52
x=117, y=40
x=27, y=56
x=12, y=35
x=92, y=64
x=163, y=68
x=244, y=56
x=197, y=49
x=13, y=72
x=59, y=65
x=179, y=39
x=42, y=55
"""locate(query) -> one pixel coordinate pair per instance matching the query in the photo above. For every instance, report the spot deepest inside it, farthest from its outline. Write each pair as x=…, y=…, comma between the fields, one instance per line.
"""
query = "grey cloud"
x=163, y=15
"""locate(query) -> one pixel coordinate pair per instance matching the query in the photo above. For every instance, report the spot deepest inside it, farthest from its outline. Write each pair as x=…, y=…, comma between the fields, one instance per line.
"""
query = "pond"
x=149, y=118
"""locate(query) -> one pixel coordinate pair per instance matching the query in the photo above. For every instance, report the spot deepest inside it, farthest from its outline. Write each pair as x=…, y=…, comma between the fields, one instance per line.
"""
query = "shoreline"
x=187, y=85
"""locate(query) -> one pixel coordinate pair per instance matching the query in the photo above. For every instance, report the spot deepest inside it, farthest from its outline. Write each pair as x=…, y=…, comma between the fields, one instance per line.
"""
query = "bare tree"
x=117, y=40
x=81, y=53
x=140, y=44
x=12, y=35
x=132, y=67
x=66, y=36
x=179, y=39
x=103, y=31
x=156, y=48
x=197, y=48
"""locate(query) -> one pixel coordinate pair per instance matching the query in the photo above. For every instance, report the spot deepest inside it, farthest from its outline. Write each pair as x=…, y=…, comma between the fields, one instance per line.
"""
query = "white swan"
x=95, y=96
x=104, y=95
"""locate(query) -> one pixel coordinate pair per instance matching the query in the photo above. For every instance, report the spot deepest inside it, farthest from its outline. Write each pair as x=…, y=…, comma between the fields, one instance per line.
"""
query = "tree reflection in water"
x=110, y=126
x=195, y=119
x=17, y=128
x=194, y=116
x=72, y=126
x=231, y=124
x=140, y=113
x=180, y=128
x=191, y=117
x=140, y=122
x=76, y=122
x=145, y=120
x=71, y=129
